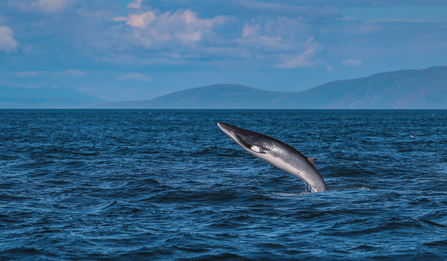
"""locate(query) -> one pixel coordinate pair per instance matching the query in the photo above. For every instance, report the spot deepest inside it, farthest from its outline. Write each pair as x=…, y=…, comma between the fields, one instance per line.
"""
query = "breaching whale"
x=278, y=154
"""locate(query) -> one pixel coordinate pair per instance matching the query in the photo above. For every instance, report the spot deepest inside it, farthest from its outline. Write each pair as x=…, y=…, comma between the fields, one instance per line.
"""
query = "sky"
x=136, y=50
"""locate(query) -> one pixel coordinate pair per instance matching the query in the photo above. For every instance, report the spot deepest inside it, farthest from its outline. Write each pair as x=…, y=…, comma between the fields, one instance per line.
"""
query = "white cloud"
x=134, y=4
x=182, y=36
x=374, y=3
x=120, y=18
x=275, y=36
x=70, y=73
x=250, y=30
x=134, y=76
x=305, y=58
x=75, y=73
x=152, y=30
x=353, y=62
x=281, y=39
x=7, y=42
x=325, y=12
x=26, y=74
x=51, y=6
x=141, y=20
x=396, y=20
x=46, y=6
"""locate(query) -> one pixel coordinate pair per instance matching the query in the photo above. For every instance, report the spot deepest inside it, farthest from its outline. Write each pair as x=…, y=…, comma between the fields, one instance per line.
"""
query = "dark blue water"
x=169, y=184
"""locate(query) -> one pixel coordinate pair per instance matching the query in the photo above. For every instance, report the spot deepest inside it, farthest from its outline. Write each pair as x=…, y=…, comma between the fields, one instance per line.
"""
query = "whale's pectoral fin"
x=257, y=149
x=311, y=160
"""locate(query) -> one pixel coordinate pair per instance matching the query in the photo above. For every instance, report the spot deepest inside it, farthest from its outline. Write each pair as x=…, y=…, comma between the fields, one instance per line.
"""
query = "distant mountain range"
x=46, y=97
x=408, y=89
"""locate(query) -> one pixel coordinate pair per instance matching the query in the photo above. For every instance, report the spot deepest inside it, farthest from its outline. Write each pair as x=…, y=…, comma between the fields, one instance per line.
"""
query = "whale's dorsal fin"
x=311, y=160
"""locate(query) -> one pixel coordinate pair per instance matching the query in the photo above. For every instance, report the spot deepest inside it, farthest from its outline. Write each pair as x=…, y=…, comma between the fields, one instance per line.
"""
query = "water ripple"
x=168, y=184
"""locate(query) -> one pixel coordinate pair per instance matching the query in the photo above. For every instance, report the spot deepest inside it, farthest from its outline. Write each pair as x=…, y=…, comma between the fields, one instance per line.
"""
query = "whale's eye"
x=257, y=149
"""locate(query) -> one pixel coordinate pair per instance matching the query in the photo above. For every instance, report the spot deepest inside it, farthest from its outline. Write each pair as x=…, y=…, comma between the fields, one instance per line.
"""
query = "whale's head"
x=249, y=140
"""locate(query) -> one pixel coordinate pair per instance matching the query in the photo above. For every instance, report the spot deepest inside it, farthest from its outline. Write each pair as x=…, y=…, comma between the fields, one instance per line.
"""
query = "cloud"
x=250, y=30
x=198, y=36
x=120, y=19
x=154, y=31
x=255, y=42
x=274, y=36
x=134, y=4
x=134, y=76
x=75, y=73
x=7, y=42
x=288, y=40
x=181, y=37
x=352, y=62
x=373, y=3
x=355, y=27
x=46, y=6
x=51, y=6
x=396, y=20
x=26, y=74
x=325, y=12
x=141, y=20
x=305, y=58
x=70, y=73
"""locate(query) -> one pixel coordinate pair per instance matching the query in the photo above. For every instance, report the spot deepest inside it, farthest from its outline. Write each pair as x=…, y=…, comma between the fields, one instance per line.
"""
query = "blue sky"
x=134, y=50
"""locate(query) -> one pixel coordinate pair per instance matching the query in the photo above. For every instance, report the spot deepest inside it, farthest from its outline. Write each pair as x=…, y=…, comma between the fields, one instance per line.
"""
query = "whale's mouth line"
x=231, y=133
x=225, y=129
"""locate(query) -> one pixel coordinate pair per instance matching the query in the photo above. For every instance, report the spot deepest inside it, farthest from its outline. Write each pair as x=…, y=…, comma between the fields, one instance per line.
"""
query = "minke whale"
x=278, y=154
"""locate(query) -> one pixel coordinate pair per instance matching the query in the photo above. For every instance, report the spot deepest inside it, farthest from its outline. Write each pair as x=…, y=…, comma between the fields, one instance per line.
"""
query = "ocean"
x=170, y=185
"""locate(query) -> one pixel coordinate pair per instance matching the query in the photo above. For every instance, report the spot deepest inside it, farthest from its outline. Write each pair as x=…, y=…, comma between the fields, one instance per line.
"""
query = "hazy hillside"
x=408, y=89
x=17, y=97
x=219, y=96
